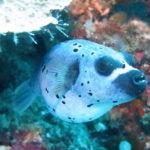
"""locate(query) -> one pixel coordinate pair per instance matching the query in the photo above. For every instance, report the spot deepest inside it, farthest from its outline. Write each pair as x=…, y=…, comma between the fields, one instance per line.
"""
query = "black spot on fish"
x=82, y=55
x=79, y=95
x=69, y=117
x=63, y=102
x=72, y=74
x=75, y=44
x=98, y=100
x=82, y=84
x=75, y=50
x=46, y=90
x=64, y=96
x=79, y=46
x=57, y=95
x=92, y=53
x=53, y=110
x=88, y=82
x=43, y=68
x=89, y=105
x=90, y=93
x=115, y=101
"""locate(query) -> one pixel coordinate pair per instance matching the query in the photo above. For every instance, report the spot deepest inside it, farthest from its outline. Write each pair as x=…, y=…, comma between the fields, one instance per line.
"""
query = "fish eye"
x=129, y=58
x=106, y=65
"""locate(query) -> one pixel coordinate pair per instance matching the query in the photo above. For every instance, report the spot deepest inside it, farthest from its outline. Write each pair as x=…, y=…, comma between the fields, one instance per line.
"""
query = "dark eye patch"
x=106, y=65
x=129, y=58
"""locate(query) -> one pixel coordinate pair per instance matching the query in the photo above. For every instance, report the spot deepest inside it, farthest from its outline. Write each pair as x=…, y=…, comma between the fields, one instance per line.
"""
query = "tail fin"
x=24, y=96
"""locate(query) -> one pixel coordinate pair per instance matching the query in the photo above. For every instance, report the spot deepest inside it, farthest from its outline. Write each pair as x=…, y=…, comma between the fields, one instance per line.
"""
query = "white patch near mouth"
x=120, y=71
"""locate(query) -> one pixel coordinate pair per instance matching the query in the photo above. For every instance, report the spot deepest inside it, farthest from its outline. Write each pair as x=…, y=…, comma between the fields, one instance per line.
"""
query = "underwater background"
x=29, y=29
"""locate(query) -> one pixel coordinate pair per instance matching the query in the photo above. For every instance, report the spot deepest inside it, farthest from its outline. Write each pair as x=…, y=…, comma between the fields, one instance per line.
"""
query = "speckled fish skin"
x=81, y=80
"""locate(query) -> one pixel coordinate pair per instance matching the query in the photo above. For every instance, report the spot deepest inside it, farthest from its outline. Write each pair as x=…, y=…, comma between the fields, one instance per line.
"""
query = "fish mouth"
x=133, y=83
x=138, y=80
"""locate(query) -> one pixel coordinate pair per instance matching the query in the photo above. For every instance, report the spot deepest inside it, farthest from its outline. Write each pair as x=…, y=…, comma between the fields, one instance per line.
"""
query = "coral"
x=35, y=13
x=28, y=140
x=147, y=94
x=30, y=21
x=89, y=8
x=116, y=32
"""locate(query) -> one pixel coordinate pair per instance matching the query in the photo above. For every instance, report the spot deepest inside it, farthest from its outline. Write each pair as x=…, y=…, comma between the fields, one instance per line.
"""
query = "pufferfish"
x=81, y=80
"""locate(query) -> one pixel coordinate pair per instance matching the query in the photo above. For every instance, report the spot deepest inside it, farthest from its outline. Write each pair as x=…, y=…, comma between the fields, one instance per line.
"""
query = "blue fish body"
x=81, y=80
